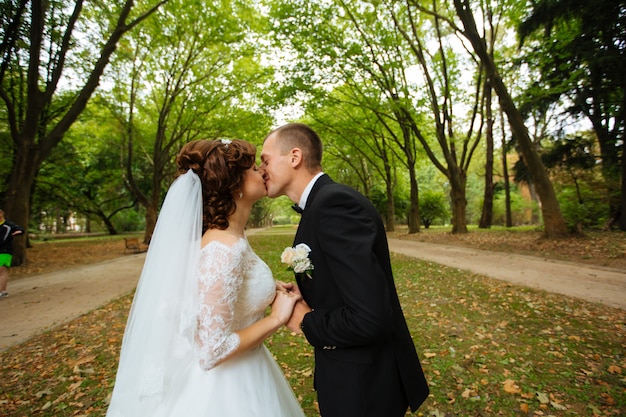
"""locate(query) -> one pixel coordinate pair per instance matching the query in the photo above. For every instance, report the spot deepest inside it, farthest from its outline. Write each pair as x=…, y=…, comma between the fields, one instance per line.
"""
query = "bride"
x=193, y=344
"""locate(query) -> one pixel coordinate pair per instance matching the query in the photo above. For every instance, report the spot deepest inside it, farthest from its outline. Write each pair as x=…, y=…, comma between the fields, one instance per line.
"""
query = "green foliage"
x=578, y=52
x=129, y=221
x=522, y=209
x=571, y=152
x=260, y=214
x=402, y=203
x=91, y=184
x=191, y=72
x=574, y=167
x=278, y=211
x=583, y=209
x=474, y=196
x=582, y=55
x=202, y=69
x=434, y=207
x=378, y=197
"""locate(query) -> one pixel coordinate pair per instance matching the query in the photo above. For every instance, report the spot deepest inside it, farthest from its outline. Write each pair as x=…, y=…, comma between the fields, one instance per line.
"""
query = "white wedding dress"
x=234, y=289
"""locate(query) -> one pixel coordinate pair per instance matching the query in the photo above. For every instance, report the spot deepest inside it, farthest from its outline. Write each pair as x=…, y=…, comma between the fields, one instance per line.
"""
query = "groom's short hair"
x=299, y=135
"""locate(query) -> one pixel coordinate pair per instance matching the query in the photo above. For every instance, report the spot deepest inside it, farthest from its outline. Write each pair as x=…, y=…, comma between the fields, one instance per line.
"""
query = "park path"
x=41, y=302
x=588, y=282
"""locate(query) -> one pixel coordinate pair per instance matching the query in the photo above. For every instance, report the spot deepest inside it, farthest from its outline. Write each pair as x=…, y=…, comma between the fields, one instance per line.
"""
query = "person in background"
x=366, y=364
x=193, y=344
x=8, y=229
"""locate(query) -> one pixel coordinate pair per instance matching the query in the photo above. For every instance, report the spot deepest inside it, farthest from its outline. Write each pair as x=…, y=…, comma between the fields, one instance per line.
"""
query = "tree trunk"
x=622, y=213
x=414, y=211
x=17, y=205
x=407, y=125
x=622, y=203
x=109, y=225
x=553, y=221
x=608, y=140
x=151, y=219
x=505, y=174
x=611, y=172
x=486, y=217
x=391, y=208
x=459, y=201
x=32, y=140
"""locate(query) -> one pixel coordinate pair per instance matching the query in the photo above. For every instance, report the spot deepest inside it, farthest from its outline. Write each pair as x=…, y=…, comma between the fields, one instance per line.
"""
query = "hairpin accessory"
x=226, y=142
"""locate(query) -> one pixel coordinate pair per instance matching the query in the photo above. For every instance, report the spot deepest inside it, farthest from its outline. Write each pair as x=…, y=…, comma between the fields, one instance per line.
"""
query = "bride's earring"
x=240, y=195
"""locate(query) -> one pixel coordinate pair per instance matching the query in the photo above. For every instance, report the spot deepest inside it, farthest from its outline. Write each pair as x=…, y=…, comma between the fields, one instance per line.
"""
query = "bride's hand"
x=283, y=305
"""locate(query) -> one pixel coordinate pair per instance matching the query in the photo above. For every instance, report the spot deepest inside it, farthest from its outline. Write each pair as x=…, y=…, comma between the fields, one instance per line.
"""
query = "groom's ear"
x=296, y=157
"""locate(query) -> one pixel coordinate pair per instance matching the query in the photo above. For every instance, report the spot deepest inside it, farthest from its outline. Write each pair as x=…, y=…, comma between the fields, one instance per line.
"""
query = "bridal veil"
x=159, y=332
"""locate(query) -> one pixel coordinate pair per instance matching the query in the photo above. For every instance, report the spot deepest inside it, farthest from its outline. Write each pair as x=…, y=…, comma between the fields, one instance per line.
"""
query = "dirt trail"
x=592, y=283
x=41, y=302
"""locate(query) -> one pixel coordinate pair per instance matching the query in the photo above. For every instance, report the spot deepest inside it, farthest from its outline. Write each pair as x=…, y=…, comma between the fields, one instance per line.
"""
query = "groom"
x=365, y=360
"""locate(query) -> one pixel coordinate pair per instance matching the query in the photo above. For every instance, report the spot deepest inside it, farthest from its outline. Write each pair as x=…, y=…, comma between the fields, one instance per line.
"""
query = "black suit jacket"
x=365, y=359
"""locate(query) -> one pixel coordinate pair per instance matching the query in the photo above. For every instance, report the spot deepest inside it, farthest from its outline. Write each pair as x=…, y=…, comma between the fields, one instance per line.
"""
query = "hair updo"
x=221, y=166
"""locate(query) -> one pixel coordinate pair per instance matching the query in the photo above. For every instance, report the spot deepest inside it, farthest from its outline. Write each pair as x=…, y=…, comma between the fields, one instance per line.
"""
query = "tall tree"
x=554, y=223
x=351, y=46
x=457, y=132
x=373, y=42
x=505, y=172
x=42, y=89
x=493, y=28
x=184, y=83
x=579, y=49
x=350, y=120
x=486, y=216
x=89, y=186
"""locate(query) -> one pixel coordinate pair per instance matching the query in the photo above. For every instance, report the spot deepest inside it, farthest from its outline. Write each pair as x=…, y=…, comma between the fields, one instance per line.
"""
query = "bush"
x=129, y=221
x=590, y=212
x=433, y=207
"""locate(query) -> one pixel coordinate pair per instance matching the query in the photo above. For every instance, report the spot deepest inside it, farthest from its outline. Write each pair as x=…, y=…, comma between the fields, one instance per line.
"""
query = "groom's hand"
x=285, y=286
x=300, y=309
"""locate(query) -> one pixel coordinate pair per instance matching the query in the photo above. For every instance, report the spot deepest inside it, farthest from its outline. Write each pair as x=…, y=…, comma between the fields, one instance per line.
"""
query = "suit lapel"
x=321, y=181
x=305, y=228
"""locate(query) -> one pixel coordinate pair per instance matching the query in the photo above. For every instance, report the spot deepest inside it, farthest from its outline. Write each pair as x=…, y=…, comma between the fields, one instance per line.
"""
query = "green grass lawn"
x=488, y=349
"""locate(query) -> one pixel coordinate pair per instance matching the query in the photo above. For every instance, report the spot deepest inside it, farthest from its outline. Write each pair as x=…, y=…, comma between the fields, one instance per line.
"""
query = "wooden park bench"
x=133, y=246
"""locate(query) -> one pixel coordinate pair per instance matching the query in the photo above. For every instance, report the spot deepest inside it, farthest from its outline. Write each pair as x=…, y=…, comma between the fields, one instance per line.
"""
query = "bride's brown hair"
x=221, y=166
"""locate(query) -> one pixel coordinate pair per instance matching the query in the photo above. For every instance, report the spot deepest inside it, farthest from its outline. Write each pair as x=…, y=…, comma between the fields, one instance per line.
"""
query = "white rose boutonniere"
x=297, y=259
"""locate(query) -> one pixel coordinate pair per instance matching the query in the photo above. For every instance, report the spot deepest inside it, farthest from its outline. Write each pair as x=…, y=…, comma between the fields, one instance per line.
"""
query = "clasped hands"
x=288, y=297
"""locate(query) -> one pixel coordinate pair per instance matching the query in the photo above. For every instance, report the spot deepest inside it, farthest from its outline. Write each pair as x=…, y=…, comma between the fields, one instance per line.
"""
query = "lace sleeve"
x=219, y=281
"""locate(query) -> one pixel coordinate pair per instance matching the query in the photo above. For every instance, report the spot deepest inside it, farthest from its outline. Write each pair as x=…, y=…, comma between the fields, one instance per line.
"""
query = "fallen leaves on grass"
x=66, y=371
x=490, y=348
x=510, y=387
x=50, y=256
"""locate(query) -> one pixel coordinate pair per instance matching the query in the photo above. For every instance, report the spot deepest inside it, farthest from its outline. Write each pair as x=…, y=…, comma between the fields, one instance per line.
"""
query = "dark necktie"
x=297, y=208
